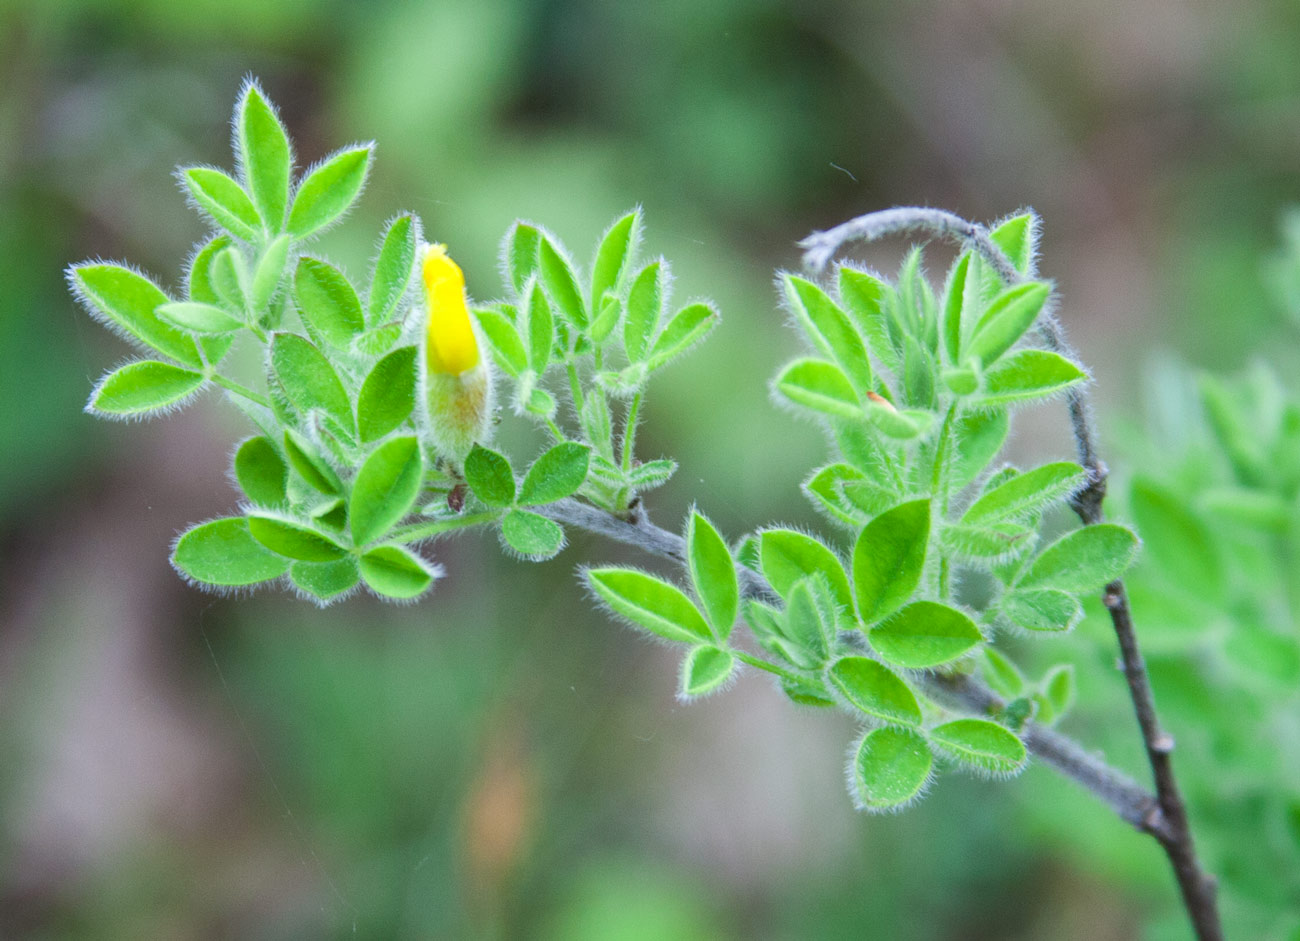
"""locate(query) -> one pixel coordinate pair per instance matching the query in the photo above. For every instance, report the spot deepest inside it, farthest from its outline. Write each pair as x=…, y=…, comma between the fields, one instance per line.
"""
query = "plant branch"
x=1174, y=833
x=1128, y=799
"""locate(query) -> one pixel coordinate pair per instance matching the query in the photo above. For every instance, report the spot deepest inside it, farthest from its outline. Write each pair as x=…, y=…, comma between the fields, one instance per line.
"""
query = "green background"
x=502, y=761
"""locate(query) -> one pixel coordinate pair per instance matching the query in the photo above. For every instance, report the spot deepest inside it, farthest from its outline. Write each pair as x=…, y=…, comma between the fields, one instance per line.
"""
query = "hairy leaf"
x=651, y=603
x=925, y=634
x=387, y=396
x=385, y=488
x=873, y=688
x=328, y=191
x=705, y=669
x=982, y=744
x=142, y=387
x=888, y=559
x=224, y=553
x=890, y=768
x=713, y=572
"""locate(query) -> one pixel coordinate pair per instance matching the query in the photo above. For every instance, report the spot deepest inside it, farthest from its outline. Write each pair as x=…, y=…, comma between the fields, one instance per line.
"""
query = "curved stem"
x=1198, y=888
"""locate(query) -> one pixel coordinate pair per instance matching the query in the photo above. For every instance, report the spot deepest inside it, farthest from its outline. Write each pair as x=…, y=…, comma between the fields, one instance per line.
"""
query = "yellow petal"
x=452, y=346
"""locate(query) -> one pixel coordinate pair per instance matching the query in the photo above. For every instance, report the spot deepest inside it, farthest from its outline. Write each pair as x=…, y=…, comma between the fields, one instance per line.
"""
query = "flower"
x=457, y=377
x=452, y=346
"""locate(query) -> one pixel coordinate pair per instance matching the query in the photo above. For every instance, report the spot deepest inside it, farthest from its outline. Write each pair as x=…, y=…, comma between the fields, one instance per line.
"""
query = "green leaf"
x=651, y=474
x=393, y=268
x=380, y=340
x=561, y=284
x=960, y=381
x=820, y=386
x=1058, y=688
x=1029, y=374
x=225, y=201
x=522, y=243
x=230, y=279
x=868, y=499
x=556, y=474
x=264, y=155
x=311, y=467
x=200, y=273
x=397, y=573
x=269, y=273
x=705, y=669
x=128, y=302
x=292, y=539
x=925, y=634
x=888, y=559
x=689, y=326
x=1179, y=543
x=918, y=374
x=865, y=297
x=261, y=472
x=1018, y=237
x=308, y=379
x=645, y=305
x=141, y=387
x=713, y=573
x=873, y=688
x=1026, y=494
x=606, y=319
x=1003, y=677
x=504, y=339
x=328, y=302
x=981, y=744
x=996, y=542
x=490, y=476
x=223, y=552
x=541, y=402
x=827, y=489
x=811, y=621
x=1042, y=609
x=830, y=329
x=532, y=535
x=1006, y=320
x=329, y=190
x=325, y=581
x=616, y=249
x=198, y=318
x=650, y=603
x=891, y=768
x=598, y=427
x=387, y=396
x=385, y=488
x=787, y=556
x=954, y=298
x=539, y=328
x=893, y=423
x=977, y=439
x=1083, y=560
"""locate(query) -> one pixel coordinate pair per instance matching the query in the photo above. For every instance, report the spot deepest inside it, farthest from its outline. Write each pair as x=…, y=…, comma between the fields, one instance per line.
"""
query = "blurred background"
x=502, y=761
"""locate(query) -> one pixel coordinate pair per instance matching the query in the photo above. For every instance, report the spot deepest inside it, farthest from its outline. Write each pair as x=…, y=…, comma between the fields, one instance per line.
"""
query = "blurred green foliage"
x=1158, y=142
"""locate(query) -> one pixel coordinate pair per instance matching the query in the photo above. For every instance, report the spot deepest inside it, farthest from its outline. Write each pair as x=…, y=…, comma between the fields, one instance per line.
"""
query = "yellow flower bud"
x=457, y=383
x=453, y=348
